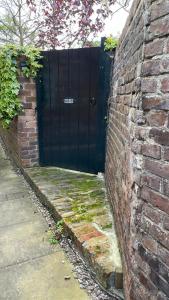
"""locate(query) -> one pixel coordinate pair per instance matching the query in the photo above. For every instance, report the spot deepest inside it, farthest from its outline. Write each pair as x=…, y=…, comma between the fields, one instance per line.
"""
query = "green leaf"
x=110, y=43
x=10, y=56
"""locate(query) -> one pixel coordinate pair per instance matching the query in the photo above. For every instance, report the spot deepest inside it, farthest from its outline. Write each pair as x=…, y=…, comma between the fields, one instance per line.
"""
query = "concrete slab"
x=11, y=185
x=17, y=211
x=30, y=267
x=24, y=241
x=24, y=195
x=40, y=279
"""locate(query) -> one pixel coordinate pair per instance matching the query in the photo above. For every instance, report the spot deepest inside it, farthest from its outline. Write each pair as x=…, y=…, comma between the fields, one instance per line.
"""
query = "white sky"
x=114, y=26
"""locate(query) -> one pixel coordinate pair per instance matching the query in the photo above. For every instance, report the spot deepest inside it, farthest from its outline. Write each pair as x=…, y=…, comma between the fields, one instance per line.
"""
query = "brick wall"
x=21, y=140
x=137, y=160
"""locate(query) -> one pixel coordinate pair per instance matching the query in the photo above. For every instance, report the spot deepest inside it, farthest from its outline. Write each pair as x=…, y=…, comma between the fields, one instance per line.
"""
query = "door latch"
x=92, y=101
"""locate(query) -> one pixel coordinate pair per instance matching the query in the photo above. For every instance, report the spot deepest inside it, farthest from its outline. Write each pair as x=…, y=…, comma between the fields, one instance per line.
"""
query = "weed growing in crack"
x=59, y=226
x=53, y=240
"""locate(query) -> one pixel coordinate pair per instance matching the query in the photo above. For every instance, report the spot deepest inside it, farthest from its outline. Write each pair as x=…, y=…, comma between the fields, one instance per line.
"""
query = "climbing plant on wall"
x=10, y=60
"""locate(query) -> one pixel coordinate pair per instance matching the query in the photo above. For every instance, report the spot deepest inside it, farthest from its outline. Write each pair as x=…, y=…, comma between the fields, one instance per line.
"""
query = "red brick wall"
x=9, y=138
x=137, y=160
x=21, y=140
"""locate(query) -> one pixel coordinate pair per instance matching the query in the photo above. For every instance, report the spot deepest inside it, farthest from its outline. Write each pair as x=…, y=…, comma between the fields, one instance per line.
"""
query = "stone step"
x=79, y=200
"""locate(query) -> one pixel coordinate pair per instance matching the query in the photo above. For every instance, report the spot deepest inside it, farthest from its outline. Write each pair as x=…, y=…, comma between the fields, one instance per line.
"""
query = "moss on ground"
x=85, y=192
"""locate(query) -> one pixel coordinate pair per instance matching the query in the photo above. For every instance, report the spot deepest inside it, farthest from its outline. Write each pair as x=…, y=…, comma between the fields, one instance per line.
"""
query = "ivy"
x=110, y=43
x=10, y=57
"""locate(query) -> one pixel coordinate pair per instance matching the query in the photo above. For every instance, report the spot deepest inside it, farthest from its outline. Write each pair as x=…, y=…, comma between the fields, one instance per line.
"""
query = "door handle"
x=92, y=101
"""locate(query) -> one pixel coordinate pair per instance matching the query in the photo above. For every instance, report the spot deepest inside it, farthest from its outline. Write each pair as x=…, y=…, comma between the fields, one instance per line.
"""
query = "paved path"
x=30, y=268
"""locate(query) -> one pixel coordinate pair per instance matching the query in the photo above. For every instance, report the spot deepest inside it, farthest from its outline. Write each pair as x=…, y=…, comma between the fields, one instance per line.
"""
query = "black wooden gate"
x=72, y=91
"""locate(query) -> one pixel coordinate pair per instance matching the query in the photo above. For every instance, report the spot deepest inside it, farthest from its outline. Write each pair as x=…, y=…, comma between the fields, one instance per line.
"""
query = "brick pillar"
x=27, y=133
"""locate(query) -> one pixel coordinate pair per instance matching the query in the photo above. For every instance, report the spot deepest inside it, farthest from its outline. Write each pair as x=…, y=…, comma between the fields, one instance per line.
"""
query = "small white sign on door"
x=69, y=100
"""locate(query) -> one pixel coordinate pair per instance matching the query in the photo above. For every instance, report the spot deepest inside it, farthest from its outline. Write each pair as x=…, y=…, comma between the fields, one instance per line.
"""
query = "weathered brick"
x=157, y=168
x=24, y=93
x=148, y=257
x=163, y=254
x=160, y=235
x=167, y=46
x=23, y=79
x=160, y=283
x=141, y=133
x=150, y=244
x=29, y=129
x=151, y=150
x=165, y=66
x=158, y=28
x=32, y=135
x=29, y=86
x=165, y=85
x=166, y=154
x=156, y=199
x=25, y=162
x=136, y=147
x=157, y=118
x=166, y=223
x=140, y=264
x=151, y=67
x=160, y=136
x=154, y=48
x=146, y=282
x=164, y=271
x=148, y=85
x=159, y=9
x=166, y=188
x=31, y=124
x=139, y=292
x=152, y=181
x=152, y=214
x=31, y=99
x=155, y=102
x=27, y=105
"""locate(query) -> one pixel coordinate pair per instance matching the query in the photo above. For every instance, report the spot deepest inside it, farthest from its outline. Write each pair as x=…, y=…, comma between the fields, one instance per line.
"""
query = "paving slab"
x=40, y=279
x=24, y=241
x=79, y=200
x=30, y=267
x=17, y=211
x=9, y=185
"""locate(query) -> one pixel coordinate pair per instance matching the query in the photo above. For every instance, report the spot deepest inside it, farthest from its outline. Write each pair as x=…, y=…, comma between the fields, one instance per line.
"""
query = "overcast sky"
x=115, y=25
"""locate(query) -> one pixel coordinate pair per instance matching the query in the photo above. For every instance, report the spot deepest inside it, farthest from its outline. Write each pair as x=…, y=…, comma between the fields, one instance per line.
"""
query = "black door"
x=72, y=109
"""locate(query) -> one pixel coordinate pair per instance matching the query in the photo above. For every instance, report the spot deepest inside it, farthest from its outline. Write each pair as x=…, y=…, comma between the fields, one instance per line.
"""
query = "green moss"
x=94, y=205
x=97, y=194
x=107, y=226
x=87, y=216
x=84, y=192
x=82, y=217
x=84, y=184
x=98, y=249
x=78, y=219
